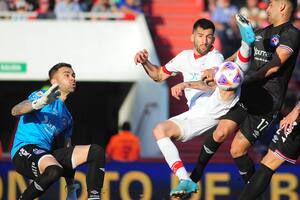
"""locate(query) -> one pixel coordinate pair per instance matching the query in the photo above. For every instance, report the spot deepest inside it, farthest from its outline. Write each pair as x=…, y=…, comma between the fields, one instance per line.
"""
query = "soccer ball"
x=228, y=76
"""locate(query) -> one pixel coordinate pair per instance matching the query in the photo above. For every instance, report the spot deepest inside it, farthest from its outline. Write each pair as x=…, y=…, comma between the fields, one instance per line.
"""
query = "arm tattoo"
x=22, y=108
x=200, y=85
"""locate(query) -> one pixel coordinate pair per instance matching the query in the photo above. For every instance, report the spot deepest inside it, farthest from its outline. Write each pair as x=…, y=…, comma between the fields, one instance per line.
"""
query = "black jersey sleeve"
x=290, y=39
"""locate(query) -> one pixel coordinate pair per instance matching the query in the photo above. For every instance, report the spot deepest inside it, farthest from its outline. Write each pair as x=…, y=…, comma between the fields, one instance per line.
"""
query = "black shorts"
x=287, y=147
x=27, y=158
x=251, y=126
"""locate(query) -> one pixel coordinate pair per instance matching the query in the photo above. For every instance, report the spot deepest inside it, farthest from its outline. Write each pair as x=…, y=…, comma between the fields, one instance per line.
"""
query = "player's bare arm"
x=22, y=108
x=232, y=58
x=201, y=85
x=27, y=106
x=154, y=72
x=177, y=90
x=280, y=57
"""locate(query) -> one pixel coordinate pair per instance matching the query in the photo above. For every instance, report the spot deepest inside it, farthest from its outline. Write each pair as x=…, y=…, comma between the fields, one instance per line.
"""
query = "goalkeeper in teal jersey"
x=43, y=116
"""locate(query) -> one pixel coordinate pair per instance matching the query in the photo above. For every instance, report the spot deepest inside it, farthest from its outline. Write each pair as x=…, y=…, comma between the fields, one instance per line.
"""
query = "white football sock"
x=171, y=155
x=243, y=57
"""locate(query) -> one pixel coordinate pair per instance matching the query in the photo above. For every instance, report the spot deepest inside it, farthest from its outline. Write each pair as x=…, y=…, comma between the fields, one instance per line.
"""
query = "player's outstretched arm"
x=201, y=85
x=279, y=58
x=22, y=108
x=27, y=106
x=154, y=72
x=177, y=90
x=232, y=58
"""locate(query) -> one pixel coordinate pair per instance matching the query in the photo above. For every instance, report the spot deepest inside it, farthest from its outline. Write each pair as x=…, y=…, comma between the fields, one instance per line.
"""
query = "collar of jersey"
x=200, y=55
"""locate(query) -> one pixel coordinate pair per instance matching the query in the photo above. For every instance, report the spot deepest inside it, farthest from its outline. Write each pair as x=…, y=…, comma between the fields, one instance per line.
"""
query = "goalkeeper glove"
x=48, y=97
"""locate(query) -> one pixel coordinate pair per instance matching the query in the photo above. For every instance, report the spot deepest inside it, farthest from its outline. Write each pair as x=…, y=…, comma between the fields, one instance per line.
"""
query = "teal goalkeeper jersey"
x=41, y=126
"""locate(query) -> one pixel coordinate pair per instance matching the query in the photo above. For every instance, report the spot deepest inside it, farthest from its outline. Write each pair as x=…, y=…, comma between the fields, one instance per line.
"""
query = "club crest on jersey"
x=39, y=93
x=274, y=41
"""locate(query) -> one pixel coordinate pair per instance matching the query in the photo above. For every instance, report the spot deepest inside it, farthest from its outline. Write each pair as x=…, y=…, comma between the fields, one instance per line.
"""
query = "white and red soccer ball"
x=228, y=76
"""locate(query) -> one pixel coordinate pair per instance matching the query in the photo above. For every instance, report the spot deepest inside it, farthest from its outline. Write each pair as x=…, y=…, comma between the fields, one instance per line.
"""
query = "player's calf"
x=40, y=185
x=96, y=170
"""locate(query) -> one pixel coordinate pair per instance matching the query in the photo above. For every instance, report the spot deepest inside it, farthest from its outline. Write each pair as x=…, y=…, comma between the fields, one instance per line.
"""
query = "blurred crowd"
x=50, y=9
x=222, y=13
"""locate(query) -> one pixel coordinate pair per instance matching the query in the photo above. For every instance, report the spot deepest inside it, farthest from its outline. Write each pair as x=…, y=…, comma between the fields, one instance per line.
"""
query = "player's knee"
x=220, y=136
x=53, y=173
x=96, y=152
x=159, y=131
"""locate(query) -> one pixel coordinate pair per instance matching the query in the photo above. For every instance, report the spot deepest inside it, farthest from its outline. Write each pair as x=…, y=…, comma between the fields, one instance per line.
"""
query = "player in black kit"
x=275, y=52
x=285, y=146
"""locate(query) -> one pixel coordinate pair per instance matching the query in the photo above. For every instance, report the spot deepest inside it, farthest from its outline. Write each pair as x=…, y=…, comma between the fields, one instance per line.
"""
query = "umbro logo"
x=94, y=192
x=207, y=150
x=242, y=173
x=38, y=187
x=258, y=38
x=102, y=169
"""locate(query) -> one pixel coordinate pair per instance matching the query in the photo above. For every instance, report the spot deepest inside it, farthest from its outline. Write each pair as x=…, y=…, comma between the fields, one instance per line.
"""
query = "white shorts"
x=203, y=116
x=192, y=124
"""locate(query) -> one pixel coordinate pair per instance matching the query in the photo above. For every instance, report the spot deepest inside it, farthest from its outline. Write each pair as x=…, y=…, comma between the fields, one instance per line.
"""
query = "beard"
x=200, y=51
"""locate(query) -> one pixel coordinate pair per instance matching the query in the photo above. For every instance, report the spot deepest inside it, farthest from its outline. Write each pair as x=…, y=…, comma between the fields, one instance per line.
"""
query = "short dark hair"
x=126, y=126
x=294, y=4
x=56, y=67
x=205, y=24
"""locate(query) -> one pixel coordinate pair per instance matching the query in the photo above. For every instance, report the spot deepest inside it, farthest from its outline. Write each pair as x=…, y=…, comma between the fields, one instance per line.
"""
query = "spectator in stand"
x=104, y=6
x=66, y=9
x=124, y=146
x=3, y=5
x=254, y=13
x=131, y=8
x=44, y=12
x=226, y=29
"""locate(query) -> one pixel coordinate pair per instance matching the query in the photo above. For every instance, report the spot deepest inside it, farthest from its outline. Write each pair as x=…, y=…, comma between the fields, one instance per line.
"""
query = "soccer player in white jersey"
x=192, y=122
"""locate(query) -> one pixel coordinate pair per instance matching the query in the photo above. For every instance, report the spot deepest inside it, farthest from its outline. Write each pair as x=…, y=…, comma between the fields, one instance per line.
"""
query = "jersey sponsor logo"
x=49, y=128
x=262, y=55
x=274, y=40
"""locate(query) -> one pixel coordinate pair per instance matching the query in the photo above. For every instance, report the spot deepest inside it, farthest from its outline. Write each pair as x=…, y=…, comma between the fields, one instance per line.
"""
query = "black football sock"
x=40, y=185
x=209, y=148
x=96, y=171
x=257, y=184
x=246, y=167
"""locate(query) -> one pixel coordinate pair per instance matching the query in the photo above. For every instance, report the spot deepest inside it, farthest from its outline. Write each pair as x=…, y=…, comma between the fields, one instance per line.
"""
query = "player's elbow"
x=272, y=71
x=14, y=112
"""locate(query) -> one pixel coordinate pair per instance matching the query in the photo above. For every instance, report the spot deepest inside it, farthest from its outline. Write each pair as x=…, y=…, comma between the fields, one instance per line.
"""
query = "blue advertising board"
x=153, y=180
